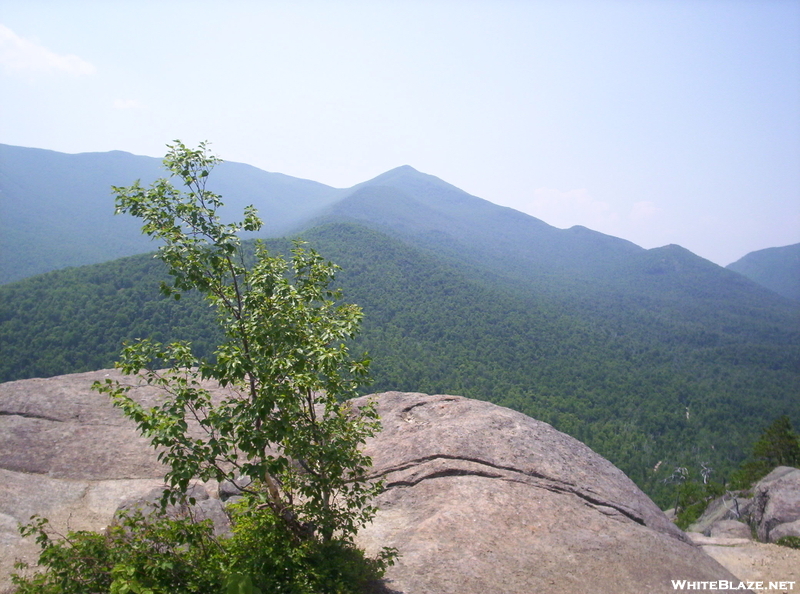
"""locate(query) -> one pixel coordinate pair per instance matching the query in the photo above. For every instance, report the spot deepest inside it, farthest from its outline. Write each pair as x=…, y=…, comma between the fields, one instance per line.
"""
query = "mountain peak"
x=403, y=173
x=403, y=169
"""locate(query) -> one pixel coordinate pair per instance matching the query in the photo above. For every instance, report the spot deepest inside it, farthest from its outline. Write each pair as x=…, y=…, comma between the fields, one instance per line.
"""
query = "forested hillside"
x=776, y=268
x=57, y=210
x=677, y=360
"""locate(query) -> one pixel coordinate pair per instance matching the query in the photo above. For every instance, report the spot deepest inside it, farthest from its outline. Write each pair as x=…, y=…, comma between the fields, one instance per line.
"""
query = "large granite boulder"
x=730, y=529
x=776, y=504
x=478, y=498
x=67, y=454
x=725, y=516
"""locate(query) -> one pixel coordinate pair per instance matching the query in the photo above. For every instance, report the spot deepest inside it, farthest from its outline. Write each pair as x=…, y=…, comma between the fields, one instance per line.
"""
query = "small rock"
x=228, y=489
x=730, y=529
x=785, y=529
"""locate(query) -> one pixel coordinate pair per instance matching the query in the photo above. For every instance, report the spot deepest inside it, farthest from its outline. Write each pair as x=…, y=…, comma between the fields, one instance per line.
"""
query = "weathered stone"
x=214, y=510
x=68, y=504
x=731, y=506
x=204, y=508
x=152, y=500
x=228, y=489
x=480, y=498
x=785, y=529
x=776, y=502
x=730, y=529
x=60, y=428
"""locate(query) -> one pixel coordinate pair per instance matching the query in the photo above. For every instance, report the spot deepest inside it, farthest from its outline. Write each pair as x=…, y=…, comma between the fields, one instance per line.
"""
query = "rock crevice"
x=450, y=466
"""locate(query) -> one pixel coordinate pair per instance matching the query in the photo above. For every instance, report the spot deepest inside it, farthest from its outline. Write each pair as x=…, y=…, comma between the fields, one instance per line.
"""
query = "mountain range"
x=648, y=356
x=56, y=210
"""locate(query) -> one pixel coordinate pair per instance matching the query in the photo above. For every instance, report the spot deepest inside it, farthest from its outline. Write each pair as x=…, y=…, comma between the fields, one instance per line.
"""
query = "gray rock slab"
x=731, y=506
x=60, y=428
x=480, y=498
x=730, y=529
x=67, y=504
x=776, y=501
x=785, y=529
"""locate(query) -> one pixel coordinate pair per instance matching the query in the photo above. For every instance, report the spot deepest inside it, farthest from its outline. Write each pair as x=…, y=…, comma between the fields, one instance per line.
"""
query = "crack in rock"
x=4, y=413
x=428, y=402
x=541, y=481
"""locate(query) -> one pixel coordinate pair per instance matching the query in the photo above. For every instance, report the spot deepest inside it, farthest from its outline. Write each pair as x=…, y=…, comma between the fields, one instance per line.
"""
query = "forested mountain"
x=777, y=268
x=430, y=213
x=646, y=355
x=678, y=376
x=57, y=210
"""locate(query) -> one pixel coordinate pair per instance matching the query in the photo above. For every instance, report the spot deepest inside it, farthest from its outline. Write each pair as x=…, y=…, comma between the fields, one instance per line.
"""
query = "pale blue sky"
x=657, y=121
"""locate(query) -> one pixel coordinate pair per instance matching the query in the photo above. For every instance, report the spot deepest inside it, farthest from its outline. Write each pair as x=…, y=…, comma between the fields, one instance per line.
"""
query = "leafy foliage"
x=793, y=542
x=137, y=555
x=161, y=554
x=692, y=500
x=284, y=356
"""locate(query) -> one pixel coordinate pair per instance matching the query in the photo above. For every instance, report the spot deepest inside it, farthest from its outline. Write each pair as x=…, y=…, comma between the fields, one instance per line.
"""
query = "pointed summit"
x=411, y=180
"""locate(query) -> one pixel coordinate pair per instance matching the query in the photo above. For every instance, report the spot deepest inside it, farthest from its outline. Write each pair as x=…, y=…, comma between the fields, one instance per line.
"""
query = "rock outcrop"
x=776, y=504
x=771, y=509
x=723, y=514
x=478, y=498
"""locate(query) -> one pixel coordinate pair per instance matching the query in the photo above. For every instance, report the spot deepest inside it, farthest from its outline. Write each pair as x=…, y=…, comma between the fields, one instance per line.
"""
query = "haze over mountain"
x=776, y=268
x=56, y=210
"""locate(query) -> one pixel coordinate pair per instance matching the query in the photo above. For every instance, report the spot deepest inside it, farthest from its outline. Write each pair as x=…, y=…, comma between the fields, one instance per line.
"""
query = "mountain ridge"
x=777, y=268
x=57, y=209
x=64, y=217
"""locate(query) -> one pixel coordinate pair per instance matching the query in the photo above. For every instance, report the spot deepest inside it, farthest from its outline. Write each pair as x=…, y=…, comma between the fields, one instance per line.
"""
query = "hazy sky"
x=661, y=121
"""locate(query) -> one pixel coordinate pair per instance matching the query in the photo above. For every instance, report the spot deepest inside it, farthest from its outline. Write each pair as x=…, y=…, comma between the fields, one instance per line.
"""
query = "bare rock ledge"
x=478, y=498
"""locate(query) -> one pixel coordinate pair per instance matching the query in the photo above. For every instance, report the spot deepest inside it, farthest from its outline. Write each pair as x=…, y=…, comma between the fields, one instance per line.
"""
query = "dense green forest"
x=639, y=376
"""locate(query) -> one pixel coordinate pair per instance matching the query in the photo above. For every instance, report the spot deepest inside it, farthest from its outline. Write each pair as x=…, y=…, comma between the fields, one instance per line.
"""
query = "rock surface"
x=776, y=504
x=730, y=529
x=66, y=454
x=479, y=498
x=773, y=511
x=754, y=561
x=729, y=507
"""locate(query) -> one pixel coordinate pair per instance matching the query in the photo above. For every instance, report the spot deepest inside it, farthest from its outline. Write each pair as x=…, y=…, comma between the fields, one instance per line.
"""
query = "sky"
x=658, y=121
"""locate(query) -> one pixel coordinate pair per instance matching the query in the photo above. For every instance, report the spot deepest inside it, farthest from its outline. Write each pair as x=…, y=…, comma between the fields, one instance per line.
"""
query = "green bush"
x=266, y=553
x=693, y=499
x=137, y=555
x=158, y=554
x=793, y=542
x=778, y=445
x=285, y=420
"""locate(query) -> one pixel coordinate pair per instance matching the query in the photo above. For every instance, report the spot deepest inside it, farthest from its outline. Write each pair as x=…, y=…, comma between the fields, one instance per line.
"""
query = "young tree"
x=285, y=426
x=778, y=445
x=286, y=423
